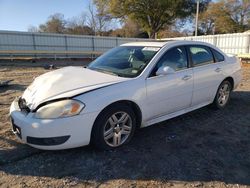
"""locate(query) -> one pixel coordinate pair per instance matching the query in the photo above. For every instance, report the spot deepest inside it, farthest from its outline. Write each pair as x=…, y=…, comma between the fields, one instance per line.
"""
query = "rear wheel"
x=114, y=127
x=223, y=95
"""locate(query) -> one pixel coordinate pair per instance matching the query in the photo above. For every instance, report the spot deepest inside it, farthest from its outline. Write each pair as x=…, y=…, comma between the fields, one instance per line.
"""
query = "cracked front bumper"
x=52, y=134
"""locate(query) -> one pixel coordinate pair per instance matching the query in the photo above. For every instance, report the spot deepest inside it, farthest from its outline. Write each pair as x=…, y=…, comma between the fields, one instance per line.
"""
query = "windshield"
x=125, y=61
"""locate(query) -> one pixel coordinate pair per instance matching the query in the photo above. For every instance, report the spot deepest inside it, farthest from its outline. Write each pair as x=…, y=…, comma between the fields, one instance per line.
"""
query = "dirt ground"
x=204, y=148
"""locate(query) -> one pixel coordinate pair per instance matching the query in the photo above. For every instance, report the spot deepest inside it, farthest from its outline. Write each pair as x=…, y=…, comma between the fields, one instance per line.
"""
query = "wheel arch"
x=135, y=107
x=230, y=79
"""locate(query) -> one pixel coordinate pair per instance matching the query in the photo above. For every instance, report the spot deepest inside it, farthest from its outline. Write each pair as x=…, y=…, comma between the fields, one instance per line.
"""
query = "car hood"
x=66, y=82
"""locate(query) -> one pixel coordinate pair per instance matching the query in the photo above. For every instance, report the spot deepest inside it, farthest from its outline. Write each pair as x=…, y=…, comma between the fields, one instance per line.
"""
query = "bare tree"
x=55, y=24
x=225, y=16
x=78, y=25
x=98, y=20
x=91, y=20
x=32, y=29
x=240, y=13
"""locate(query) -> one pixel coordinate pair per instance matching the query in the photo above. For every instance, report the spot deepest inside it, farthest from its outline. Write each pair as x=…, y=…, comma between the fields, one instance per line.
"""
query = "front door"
x=173, y=92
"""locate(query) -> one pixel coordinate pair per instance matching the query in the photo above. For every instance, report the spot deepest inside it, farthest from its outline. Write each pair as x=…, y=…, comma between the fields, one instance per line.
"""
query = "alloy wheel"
x=117, y=129
x=223, y=95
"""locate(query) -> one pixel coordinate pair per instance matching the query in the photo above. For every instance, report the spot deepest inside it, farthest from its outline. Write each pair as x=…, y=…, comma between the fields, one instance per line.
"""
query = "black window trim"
x=201, y=45
x=187, y=57
x=190, y=61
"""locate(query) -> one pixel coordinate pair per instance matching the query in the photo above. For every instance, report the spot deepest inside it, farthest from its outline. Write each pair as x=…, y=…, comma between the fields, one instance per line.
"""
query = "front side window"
x=125, y=61
x=201, y=55
x=176, y=58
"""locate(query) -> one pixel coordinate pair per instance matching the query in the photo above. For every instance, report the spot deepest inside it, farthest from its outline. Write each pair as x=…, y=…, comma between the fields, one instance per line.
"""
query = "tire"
x=109, y=131
x=222, y=96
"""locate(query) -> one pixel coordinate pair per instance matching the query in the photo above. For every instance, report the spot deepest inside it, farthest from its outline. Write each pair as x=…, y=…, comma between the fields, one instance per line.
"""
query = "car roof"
x=149, y=44
x=159, y=43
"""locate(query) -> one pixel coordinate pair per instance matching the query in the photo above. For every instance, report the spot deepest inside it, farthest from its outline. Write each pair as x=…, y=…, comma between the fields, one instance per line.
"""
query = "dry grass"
x=209, y=149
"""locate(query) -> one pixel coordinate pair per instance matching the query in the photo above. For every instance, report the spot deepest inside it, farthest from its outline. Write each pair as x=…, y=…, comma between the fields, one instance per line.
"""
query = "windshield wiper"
x=105, y=71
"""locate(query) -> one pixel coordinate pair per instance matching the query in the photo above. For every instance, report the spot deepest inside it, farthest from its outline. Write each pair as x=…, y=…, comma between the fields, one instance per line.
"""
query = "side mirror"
x=164, y=70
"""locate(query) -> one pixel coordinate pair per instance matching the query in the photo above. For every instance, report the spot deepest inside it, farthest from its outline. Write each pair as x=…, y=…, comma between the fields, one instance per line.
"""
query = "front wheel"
x=114, y=127
x=223, y=95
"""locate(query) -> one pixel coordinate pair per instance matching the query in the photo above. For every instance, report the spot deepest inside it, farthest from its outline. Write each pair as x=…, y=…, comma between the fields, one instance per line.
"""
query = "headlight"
x=59, y=109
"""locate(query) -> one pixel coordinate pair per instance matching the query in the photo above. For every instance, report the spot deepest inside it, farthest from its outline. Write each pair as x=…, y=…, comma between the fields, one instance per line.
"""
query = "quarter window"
x=218, y=57
x=201, y=55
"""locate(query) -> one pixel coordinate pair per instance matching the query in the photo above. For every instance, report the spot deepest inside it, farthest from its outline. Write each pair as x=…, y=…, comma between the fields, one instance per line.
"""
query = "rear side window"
x=218, y=57
x=201, y=55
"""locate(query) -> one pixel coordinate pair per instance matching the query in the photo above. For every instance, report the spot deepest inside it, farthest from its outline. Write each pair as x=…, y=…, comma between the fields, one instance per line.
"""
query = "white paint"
x=159, y=98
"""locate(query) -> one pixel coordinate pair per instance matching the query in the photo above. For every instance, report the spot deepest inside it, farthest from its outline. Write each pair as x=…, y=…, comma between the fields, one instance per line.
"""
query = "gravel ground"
x=204, y=148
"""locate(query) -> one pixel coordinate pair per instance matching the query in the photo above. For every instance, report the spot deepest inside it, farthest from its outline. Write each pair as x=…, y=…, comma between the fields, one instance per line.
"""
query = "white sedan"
x=133, y=85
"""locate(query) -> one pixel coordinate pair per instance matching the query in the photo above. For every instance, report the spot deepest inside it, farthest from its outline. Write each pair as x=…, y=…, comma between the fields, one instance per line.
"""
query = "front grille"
x=22, y=105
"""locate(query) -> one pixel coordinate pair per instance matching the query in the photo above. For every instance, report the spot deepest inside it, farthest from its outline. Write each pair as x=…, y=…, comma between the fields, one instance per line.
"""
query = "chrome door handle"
x=218, y=69
x=186, y=77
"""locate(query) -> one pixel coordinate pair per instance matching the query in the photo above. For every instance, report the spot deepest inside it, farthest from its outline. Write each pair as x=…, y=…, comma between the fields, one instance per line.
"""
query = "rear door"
x=207, y=74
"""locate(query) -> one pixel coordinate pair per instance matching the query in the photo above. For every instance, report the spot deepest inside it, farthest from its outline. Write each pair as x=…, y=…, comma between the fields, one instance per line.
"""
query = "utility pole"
x=197, y=15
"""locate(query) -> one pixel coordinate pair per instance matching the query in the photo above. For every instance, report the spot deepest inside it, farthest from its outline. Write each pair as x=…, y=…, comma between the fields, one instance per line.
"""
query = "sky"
x=18, y=15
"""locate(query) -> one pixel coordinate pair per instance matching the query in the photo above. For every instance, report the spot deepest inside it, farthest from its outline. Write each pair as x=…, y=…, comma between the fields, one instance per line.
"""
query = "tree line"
x=152, y=18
